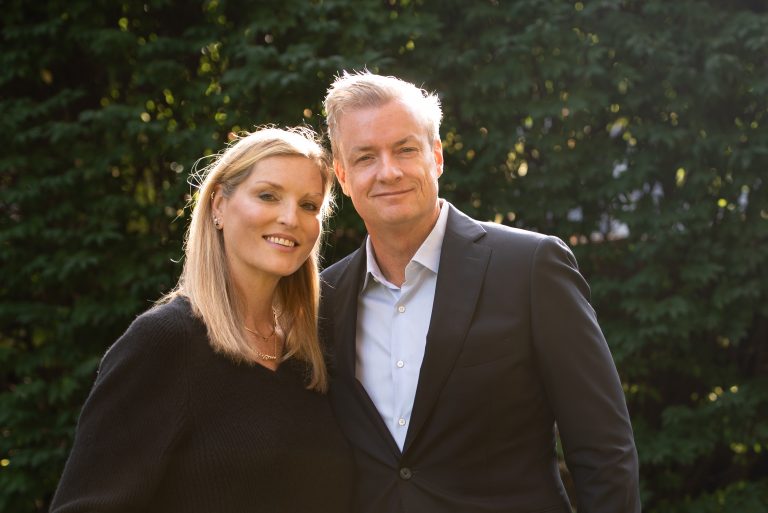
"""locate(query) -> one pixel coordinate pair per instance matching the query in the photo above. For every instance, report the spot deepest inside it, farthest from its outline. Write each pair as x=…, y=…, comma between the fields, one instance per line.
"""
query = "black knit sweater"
x=171, y=426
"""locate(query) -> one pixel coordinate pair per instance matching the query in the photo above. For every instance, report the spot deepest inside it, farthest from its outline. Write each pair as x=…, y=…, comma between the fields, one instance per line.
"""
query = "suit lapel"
x=345, y=312
x=345, y=335
x=460, y=277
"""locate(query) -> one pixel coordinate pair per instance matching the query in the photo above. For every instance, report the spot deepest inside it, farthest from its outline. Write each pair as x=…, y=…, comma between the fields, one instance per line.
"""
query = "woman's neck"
x=256, y=298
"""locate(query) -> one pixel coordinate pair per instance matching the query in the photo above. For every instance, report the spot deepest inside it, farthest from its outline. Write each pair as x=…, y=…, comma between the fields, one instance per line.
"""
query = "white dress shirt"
x=392, y=324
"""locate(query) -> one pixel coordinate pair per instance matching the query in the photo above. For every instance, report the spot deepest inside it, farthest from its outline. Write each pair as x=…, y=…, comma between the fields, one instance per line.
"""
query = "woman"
x=211, y=401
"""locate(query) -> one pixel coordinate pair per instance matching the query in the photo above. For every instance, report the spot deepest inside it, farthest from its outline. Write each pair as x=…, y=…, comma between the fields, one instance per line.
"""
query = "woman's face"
x=272, y=220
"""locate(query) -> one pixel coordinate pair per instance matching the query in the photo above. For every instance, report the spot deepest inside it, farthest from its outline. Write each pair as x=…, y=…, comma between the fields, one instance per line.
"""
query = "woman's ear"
x=217, y=206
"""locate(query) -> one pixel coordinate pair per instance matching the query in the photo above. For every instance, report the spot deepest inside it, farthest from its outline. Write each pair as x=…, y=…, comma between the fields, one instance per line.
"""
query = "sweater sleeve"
x=130, y=421
x=582, y=384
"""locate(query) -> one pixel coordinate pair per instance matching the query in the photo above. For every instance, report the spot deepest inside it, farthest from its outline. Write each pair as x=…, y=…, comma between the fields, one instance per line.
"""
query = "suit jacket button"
x=406, y=473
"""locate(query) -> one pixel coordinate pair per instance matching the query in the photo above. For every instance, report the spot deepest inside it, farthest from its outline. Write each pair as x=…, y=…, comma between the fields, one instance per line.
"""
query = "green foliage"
x=637, y=130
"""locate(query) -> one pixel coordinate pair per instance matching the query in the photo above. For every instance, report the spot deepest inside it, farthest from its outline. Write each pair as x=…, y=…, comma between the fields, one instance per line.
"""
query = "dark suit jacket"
x=513, y=347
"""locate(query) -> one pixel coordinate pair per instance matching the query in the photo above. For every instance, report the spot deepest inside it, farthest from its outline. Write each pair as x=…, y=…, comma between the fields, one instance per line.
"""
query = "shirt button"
x=401, y=422
x=400, y=364
x=406, y=473
x=401, y=308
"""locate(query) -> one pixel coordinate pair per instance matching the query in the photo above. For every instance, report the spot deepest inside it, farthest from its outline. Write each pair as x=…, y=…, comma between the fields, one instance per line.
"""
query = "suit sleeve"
x=582, y=384
x=129, y=423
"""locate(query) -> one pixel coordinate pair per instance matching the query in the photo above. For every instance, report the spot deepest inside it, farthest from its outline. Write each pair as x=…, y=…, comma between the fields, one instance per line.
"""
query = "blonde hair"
x=205, y=278
x=360, y=90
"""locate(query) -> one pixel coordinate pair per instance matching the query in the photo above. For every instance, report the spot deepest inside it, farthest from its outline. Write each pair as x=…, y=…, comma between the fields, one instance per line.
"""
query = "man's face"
x=389, y=168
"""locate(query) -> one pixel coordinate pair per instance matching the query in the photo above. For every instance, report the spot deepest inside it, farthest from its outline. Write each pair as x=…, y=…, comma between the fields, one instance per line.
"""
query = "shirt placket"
x=399, y=324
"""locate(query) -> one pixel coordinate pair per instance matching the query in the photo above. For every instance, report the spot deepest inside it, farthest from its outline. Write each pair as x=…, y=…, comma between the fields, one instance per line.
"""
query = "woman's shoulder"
x=177, y=307
x=170, y=319
x=164, y=329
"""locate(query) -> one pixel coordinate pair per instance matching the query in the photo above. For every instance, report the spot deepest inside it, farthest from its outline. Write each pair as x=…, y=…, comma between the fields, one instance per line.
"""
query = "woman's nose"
x=288, y=214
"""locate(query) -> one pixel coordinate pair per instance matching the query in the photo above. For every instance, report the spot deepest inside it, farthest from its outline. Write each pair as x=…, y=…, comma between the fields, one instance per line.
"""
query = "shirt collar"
x=428, y=254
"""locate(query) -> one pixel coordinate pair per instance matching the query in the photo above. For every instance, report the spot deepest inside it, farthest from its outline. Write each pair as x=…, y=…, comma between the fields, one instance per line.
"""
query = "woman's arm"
x=131, y=420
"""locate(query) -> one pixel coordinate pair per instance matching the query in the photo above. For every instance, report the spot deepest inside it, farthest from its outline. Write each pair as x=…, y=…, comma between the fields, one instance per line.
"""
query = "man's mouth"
x=390, y=193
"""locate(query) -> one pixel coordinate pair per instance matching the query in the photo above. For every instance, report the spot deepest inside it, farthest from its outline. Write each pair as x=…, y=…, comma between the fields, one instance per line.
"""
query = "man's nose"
x=390, y=169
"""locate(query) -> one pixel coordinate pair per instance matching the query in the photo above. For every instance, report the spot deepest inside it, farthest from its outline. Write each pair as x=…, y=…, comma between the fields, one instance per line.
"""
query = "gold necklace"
x=259, y=354
x=257, y=333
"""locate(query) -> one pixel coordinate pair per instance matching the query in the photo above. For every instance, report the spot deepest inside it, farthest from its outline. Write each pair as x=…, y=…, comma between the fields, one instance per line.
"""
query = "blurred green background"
x=636, y=130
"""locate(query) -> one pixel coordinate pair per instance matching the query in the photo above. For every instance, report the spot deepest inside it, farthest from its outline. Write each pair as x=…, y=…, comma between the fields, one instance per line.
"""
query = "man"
x=459, y=345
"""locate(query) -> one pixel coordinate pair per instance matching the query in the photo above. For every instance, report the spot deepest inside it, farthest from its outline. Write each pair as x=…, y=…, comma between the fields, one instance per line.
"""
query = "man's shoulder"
x=511, y=234
x=494, y=233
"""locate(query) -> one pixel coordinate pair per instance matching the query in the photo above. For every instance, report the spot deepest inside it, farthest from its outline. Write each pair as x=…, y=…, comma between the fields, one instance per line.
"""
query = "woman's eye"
x=310, y=207
x=267, y=196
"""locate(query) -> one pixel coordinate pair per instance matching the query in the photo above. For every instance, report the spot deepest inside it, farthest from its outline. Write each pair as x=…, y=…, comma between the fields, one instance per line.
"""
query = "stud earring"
x=216, y=222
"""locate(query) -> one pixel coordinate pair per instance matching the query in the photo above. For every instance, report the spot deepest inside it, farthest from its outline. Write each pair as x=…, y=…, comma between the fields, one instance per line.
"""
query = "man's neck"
x=394, y=247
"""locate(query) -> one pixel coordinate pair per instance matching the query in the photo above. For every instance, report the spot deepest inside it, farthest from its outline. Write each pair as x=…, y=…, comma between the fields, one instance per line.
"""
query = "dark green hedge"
x=635, y=130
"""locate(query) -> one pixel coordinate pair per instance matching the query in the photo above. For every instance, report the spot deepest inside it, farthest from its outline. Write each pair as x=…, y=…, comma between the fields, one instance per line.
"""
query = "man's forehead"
x=380, y=115
x=376, y=126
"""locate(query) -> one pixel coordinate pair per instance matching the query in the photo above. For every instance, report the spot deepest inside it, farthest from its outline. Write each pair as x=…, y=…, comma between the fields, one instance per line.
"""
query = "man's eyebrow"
x=369, y=147
x=405, y=140
x=362, y=149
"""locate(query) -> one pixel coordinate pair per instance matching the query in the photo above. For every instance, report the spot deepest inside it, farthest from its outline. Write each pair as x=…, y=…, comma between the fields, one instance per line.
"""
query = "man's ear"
x=341, y=175
x=437, y=151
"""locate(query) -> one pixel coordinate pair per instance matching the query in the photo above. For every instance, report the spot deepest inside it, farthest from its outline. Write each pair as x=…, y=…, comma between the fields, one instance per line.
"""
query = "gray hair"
x=360, y=90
